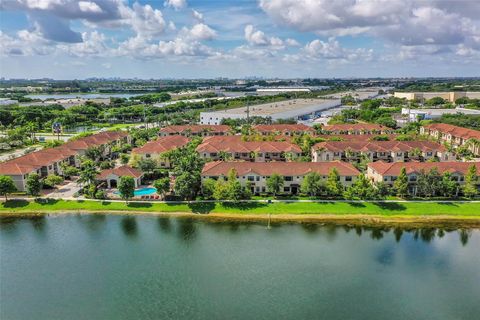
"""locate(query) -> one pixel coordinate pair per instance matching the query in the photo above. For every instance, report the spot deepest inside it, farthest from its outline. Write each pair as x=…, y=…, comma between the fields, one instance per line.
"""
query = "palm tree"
x=88, y=173
x=473, y=145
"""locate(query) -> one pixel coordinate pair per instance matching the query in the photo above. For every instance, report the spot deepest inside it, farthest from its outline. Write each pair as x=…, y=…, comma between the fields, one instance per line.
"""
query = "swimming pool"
x=142, y=191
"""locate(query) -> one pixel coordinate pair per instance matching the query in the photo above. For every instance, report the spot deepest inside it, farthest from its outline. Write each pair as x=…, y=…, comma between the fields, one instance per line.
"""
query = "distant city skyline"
x=66, y=39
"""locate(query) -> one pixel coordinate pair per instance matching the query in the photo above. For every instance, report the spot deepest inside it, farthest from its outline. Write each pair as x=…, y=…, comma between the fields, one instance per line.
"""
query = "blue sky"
x=66, y=39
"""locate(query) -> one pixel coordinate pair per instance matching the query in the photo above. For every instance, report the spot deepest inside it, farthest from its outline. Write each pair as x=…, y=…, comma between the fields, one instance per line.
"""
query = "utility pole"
x=248, y=113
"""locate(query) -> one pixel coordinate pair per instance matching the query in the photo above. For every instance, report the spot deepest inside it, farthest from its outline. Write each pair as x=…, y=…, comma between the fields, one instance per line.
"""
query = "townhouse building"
x=199, y=130
x=388, y=151
x=235, y=148
x=283, y=129
x=50, y=161
x=156, y=149
x=356, y=128
x=454, y=135
x=255, y=174
x=388, y=172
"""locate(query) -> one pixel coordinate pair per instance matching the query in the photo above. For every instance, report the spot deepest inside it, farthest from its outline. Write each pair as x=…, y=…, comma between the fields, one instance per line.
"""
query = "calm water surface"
x=121, y=267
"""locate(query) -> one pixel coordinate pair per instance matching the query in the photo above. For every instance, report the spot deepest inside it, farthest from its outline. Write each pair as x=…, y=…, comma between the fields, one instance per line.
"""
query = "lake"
x=145, y=267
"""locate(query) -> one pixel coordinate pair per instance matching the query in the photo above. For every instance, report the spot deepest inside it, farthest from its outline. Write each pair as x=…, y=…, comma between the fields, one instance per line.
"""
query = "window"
x=258, y=178
x=286, y=189
x=348, y=178
x=288, y=178
x=412, y=178
x=147, y=155
x=251, y=178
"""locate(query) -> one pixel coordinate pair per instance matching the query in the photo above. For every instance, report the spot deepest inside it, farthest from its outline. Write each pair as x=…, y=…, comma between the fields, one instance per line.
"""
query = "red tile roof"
x=198, y=128
x=218, y=168
x=162, y=144
x=454, y=130
x=355, y=127
x=356, y=137
x=379, y=146
x=283, y=128
x=394, y=168
x=15, y=169
x=45, y=157
x=236, y=144
x=123, y=171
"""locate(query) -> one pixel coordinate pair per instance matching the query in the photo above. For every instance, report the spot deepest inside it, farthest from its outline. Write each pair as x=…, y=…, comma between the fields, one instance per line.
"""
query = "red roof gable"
x=394, y=168
x=380, y=146
x=162, y=144
x=454, y=130
x=218, y=168
x=236, y=144
x=123, y=171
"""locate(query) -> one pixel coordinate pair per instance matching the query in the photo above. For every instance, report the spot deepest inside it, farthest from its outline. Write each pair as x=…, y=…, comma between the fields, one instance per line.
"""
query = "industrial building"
x=449, y=96
x=290, y=109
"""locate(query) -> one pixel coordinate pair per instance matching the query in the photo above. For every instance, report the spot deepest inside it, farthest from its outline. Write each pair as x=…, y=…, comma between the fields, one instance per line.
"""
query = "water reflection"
x=164, y=224
x=129, y=226
x=464, y=235
x=398, y=232
x=93, y=222
x=186, y=229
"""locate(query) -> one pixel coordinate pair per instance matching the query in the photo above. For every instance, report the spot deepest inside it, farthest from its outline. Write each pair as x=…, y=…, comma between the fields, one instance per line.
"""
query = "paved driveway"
x=66, y=191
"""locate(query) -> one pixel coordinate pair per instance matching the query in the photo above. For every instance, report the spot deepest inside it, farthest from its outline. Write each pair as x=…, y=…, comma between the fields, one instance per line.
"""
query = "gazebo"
x=112, y=176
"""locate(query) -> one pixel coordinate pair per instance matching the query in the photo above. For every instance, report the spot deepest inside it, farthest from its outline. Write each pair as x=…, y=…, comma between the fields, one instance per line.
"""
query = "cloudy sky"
x=67, y=39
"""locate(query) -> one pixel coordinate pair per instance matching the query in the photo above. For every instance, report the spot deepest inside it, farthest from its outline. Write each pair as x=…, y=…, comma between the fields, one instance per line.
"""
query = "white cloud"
x=176, y=4
x=292, y=42
x=201, y=31
x=145, y=20
x=405, y=22
x=93, y=44
x=197, y=15
x=332, y=50
x=88, y=6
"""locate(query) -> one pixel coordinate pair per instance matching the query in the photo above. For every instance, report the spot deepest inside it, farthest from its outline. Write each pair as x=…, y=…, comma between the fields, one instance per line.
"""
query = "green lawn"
x=370, y=208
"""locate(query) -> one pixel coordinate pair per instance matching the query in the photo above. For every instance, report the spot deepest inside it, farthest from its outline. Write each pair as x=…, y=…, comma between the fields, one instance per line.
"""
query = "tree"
x=225, y=156
x=162, y=185
x=362, y=189
x=126, y=187
x=88, y=172
x=401, y=184
x=147, y=165
x=187, y=185
x=94, y=153
x=429, y=183
x=33, y=184
x=208, y=188
x=312, y=184
x=470, y=188
x=448, y=186
x=6, y=186
x=221, y=191
x=69, y=171
x=235, y=189
x=382, y=188
x=334, y=186
x=52, y=180
x=124, y=158
x=275, y=184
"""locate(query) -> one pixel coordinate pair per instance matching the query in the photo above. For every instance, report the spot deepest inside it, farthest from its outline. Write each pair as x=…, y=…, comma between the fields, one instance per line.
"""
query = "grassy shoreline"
x=462, y=214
